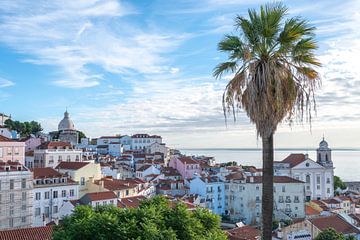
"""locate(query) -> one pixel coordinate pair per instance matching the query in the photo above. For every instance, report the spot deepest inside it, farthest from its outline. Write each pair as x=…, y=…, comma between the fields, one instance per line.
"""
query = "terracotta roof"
x=130, y=202
x=117, y=184
x=33, y=233
x=71, y=165
x=5, y=139
x=235, y=176
x=169, y=171
x=187, y=160
x=54, y=145
x=294, y=159
x=14, y=166
x=311, y=211
x=47, y=172
x=277, y=179
x=244, y=233
x=335, y=222
x=143, y=168
x=96, y=196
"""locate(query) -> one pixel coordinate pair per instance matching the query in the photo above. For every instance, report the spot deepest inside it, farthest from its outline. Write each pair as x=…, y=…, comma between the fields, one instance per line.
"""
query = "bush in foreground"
x=154, y=219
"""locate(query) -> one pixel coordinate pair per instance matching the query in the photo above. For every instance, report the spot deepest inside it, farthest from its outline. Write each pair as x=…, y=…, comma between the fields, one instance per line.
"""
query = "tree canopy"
x=24, y=128
x=154, y=219
x=330, y=234
x=338, y=183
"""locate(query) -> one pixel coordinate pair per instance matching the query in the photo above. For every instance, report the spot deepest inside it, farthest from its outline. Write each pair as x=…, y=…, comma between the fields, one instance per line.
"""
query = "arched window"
x=307, y=178
x=326, y=158
x=319, y=157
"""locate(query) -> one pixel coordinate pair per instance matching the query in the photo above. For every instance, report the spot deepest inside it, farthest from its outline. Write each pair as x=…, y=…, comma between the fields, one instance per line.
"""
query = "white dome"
x=66, y=123
x=323, y=144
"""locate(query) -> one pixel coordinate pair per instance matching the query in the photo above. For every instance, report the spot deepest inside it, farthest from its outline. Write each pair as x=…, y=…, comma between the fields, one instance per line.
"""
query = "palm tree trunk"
x=267, y=187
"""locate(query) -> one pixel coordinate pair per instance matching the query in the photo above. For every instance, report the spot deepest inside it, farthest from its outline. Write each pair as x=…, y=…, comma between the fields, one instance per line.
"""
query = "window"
x=68, y=158
x=257, y=187
x=307, y=164
x=12, y=198
x=23, y=207
x=55, y=194
x=23, y=183
x=77, y=158
x=281, y=199
x=16, y=151
x=23, y=219
x=328, y=180
x=104, y=202
x=47, y=195
x=11, y=222
x=283, y=188
x=1, y=152
x=46, y=211
x=318, y=187
x=307, y=178
x=55, y=209
x=328, y=190
x=11, y=212
x=23, y=196
x=112, y=201
x=63, y=193
x=296, y=199
x=82, y=181
x=37, y=211
x=318, y=179
x=12, y=184
x=60, y=159
x=37, y=196
x=9, y=151
x=71, y=192
x=127, y=192
x=97, y=204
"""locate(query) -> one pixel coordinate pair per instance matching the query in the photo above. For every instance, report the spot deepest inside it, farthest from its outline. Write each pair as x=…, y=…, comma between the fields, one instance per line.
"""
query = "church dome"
x=323, y=144
x=66, y=123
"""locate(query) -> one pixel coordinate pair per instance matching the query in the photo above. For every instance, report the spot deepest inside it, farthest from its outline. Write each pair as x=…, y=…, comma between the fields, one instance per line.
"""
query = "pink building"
x=12, y=150
x=186, y=166
x=31, y=143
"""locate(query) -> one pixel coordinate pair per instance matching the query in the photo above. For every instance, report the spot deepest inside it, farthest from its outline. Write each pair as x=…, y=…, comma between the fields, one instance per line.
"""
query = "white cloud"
x=5, y=83
x=71, y=35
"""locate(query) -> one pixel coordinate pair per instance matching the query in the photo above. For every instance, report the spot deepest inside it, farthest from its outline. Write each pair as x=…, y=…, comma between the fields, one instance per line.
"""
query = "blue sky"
x=145, y=66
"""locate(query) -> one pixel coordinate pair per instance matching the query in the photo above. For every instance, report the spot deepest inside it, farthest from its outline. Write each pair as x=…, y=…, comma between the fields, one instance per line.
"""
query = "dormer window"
x=7, y=168
x=19, y=168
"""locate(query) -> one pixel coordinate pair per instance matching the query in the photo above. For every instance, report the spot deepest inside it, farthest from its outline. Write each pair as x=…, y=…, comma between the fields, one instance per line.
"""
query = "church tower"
x=324, y=154
x=67, y=130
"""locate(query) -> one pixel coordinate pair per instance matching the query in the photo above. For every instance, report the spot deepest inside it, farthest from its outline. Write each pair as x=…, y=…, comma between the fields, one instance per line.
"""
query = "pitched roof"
x=187, y=160
x=5, y=139
x=71, y=165
x=33, y=233
x=54, y=145
x=235, y=176
x=97, y=196
x=311, y=211
x=143, y=168
x=294, y=159
x=243, y=233
x=277, y=179
x=336, y=222
x=117, y=184
x=130, y=202
x=47, y=172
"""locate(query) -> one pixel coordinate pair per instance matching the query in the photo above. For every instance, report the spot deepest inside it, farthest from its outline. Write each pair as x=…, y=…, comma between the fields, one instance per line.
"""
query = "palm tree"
x=274, y=79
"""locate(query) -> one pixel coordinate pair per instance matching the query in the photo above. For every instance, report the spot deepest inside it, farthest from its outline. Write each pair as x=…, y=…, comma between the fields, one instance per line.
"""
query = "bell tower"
x=324, y=154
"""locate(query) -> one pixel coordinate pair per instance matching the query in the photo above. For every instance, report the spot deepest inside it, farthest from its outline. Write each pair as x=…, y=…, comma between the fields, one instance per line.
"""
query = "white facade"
x=318, y=176
x=142, y=141
x=49, y=197
x=243, y=199
x=15, y=196
x=52, y=157
x=5, y=132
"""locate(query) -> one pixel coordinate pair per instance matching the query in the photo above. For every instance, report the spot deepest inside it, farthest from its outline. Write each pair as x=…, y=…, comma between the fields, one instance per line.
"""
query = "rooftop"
x=33, y=233
x=71, y=165
x=244, y=233
x=54, y=145
x=336, y=222
x=47, y=172
x=97, y=196
x=130, y=202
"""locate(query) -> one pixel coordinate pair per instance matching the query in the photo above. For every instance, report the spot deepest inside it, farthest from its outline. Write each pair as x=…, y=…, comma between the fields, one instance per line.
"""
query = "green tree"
x=24, y=128
x=154, y=219
x=338, y=183
x=329, y=234
x=274, y=77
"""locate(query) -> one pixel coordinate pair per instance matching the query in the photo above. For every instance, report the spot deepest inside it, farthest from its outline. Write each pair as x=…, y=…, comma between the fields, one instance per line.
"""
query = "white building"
x=243, y=196
x=318, y=176
x=51, y=189
x=146, y=170
x=142, y=141
x=96, y=199
x=50, y=154
x=15, y=196
x=212, y=191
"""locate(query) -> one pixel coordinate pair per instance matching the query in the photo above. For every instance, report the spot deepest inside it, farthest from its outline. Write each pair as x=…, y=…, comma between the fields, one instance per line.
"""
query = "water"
x=346, y=162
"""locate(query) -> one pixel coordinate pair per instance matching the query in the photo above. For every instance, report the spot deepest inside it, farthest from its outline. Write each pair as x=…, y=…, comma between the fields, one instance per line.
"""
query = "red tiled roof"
x=187, y=160
x=5, y=139
x=335, y=222
x=244, y=233
x=33, y=233
x=277, y=179
x=47, y=172
x=235, y=176
x=311, y=211
x=143, y=168
x=96, y=196
x=54, y=145
x=13, y=166
x=117, y=184
x=294, y=159
x=130, y=202
x=71, y=165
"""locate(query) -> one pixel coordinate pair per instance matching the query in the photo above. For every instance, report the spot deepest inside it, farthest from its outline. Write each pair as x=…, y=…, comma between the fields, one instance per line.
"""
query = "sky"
x=126, y=67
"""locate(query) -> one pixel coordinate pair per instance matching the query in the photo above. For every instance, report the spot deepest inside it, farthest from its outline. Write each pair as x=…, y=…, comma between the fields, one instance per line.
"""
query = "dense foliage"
x=24, y=128
x=329, y=234
x=338, y=183
x=154, y=219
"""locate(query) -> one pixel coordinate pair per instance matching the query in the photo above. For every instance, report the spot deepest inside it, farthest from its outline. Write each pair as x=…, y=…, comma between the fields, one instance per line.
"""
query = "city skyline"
x=126, y=67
